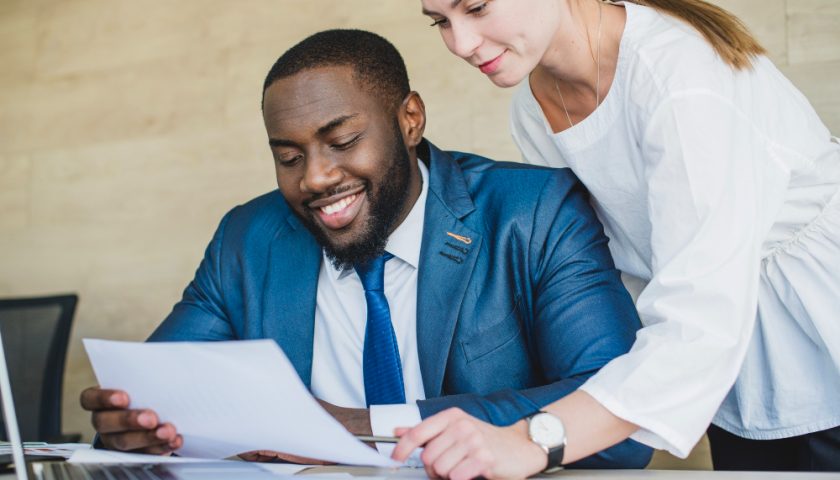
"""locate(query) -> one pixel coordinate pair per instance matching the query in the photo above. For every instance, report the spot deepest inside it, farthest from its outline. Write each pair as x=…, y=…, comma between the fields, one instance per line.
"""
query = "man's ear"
x=412, y=119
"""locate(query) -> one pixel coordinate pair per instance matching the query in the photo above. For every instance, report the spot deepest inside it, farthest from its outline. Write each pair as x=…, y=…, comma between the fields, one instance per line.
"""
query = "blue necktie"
x=381, y=358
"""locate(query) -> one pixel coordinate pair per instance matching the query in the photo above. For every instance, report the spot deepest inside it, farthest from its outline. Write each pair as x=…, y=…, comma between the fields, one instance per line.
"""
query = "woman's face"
x=505, y=39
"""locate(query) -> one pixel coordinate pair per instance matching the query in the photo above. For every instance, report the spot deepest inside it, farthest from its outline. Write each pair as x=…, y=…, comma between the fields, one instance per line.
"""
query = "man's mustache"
x=335, y=191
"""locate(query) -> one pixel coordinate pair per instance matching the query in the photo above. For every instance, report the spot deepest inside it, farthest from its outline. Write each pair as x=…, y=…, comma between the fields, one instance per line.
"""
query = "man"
x=509, y=302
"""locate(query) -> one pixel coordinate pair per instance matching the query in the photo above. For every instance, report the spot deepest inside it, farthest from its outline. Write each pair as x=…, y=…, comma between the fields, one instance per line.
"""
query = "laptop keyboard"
x=85, y=471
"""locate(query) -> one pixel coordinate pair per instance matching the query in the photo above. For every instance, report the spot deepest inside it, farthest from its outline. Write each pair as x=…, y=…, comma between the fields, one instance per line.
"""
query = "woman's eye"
x=440, y=22
x=477, y=9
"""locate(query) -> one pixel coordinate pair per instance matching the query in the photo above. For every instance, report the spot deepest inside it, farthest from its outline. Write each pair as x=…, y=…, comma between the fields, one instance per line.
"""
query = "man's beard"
x=386, y=204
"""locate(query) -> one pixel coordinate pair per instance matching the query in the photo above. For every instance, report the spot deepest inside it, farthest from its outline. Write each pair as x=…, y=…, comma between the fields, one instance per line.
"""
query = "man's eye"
x=290, y=160
x=347, y=144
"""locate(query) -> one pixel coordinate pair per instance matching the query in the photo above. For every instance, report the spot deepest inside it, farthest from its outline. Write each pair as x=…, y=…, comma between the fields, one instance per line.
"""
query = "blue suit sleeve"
x=581, y=316
x=200, y=314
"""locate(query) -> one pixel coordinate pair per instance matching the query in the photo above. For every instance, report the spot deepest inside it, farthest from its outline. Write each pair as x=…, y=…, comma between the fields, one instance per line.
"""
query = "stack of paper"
x=63, y=450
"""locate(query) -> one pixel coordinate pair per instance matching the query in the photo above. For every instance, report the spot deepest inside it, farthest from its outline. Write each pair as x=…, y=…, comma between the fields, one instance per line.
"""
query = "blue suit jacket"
x=516, y=318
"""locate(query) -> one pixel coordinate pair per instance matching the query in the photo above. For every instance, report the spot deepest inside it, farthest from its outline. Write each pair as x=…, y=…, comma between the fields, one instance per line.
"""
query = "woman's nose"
x=462, y=40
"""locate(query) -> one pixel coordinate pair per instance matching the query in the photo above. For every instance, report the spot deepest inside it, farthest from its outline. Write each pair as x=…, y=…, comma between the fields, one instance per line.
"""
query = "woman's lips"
x=489, y=67
x=342, y=212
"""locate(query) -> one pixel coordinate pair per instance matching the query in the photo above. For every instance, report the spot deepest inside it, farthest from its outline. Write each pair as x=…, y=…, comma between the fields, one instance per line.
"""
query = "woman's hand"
x=460, y=447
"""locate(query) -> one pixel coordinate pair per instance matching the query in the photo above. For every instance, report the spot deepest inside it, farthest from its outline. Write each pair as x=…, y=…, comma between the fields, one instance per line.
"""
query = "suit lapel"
x=447, y=258
x=290, y=293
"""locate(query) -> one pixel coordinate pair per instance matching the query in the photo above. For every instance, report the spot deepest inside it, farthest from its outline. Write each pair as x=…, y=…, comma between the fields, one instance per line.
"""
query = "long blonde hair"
x=725, y=32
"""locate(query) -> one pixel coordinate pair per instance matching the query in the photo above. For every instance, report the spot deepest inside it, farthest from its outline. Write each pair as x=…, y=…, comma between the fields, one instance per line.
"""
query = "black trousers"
x=818, y=451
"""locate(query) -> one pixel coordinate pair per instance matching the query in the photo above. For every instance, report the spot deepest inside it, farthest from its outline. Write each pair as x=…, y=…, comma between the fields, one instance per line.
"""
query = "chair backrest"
x=36, y=332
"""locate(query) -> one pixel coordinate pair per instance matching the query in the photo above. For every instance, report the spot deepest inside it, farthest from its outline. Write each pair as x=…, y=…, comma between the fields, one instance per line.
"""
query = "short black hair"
x=377, y=64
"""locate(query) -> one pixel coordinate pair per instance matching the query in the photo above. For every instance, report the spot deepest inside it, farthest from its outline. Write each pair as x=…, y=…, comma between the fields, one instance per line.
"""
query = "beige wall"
x=128, y=128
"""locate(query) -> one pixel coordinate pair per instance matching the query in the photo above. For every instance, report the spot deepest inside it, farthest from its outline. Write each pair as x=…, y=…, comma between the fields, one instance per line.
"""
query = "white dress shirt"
x=721, y=189
x=341, y=317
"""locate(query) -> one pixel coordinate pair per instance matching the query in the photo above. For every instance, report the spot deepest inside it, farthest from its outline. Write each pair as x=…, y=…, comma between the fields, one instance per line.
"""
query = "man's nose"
x=321, y=175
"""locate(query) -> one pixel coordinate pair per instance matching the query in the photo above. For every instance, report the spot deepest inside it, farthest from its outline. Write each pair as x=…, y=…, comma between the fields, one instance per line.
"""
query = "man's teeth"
x=339, y=205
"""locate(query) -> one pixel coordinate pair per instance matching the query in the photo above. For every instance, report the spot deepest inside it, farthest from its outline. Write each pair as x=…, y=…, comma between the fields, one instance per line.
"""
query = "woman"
x=717, y=184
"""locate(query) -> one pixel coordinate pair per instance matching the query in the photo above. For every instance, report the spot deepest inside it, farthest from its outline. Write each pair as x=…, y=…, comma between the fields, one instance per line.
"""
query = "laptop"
x=92, y=471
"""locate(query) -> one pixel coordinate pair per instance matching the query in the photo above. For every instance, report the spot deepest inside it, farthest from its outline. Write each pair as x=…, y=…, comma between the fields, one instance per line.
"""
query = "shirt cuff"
x=384, y=419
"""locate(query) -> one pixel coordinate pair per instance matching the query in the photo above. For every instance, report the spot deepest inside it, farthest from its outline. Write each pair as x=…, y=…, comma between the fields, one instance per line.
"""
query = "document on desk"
x=227, y=398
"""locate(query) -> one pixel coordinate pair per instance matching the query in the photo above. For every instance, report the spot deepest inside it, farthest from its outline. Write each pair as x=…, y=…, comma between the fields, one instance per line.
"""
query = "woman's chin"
x=505, y=80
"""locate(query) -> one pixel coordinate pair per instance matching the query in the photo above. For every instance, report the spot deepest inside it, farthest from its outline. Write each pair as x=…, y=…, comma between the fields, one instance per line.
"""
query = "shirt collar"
x=404, y=241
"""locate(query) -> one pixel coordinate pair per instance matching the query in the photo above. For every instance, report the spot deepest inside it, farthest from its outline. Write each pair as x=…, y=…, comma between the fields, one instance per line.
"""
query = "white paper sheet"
x=226, y=398
x=285, y=468
x=110, y=456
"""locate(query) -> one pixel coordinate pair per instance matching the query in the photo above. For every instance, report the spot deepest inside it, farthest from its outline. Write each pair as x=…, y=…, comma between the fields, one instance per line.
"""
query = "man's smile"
x=338, y=211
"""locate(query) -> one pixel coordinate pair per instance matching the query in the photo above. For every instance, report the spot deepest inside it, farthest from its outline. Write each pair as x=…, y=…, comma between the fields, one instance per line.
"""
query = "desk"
x=581, y=474
x=596, y=474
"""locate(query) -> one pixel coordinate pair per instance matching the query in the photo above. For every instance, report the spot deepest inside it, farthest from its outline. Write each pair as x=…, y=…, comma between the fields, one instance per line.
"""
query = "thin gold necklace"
x=597, y=69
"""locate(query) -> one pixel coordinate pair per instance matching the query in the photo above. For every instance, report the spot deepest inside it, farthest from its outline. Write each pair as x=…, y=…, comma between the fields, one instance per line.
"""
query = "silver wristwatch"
x=548, y=433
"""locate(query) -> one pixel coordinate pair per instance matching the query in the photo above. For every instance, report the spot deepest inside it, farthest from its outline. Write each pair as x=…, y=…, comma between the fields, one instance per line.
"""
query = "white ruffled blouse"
x=721, y=190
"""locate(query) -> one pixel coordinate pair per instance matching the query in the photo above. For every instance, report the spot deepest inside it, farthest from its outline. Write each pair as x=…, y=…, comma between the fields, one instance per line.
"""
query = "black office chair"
x=36, y=332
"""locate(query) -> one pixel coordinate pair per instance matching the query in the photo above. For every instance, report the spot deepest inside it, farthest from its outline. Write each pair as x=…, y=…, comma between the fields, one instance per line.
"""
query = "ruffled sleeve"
x=705, y=191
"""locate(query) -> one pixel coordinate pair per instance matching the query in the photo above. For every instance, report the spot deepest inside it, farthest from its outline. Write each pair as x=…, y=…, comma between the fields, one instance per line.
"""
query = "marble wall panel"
x=490, y=132
x=163, y=96
x=85, y=36
x=270, y=22
x=18, y=44
x=820, y=82
x=148, y=181
x=813, y=31
x=14, y=192
x=767, y=20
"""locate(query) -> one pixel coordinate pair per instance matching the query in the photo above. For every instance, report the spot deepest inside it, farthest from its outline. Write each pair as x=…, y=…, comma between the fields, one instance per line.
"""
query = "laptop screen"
x=12, y=431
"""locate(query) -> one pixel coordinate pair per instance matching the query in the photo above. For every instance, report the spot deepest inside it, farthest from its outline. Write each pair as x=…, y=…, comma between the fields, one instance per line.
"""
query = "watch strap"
x=555, y=459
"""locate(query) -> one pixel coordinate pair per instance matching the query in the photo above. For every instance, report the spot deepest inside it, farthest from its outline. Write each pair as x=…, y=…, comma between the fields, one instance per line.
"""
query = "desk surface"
x=580, y=474
x=597, y=474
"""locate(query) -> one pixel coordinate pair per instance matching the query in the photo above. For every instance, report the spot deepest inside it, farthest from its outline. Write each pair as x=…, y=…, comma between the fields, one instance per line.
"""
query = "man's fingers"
x=166, y=433
x=95, y=398
x=112, y=421
x=177, y=443
x=302, y=460
x=272, y=456
x=162, y=449
x=128, y=441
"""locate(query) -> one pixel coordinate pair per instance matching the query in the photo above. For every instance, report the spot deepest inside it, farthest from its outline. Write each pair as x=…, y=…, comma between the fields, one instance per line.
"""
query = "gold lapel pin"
x=460, y=238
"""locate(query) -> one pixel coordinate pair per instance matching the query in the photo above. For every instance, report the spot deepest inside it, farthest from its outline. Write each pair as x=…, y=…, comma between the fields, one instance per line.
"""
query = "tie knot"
x=372, y=273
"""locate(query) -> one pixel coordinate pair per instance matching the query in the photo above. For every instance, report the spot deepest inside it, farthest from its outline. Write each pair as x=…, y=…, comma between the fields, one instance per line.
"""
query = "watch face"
x=546, y=429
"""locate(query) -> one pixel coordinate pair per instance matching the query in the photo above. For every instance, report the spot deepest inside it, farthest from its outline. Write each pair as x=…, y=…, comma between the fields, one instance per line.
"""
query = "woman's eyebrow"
x=454, y=4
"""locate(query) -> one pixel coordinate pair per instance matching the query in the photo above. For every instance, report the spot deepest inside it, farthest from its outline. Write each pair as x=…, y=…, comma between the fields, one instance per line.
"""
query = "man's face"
x=341, y=161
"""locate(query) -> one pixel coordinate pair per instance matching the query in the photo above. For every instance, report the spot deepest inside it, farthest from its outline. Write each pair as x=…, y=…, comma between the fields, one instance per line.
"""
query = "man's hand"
x=355, y=420
x=119, y=428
